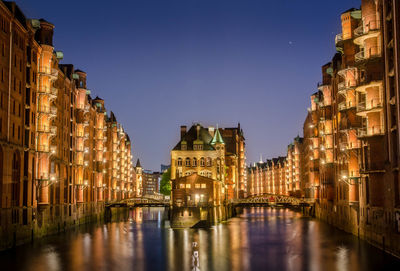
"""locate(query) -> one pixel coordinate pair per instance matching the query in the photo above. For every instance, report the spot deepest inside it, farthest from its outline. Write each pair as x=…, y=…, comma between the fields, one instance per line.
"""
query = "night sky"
x=159, y=64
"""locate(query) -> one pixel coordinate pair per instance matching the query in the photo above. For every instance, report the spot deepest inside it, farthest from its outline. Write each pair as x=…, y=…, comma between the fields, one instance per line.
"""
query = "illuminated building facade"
x=350, y=152
x=61, y=155
x=201, y=152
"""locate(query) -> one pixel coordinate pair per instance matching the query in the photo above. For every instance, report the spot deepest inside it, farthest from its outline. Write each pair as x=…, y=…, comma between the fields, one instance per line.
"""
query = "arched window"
x=187, y=163
x=208, y=162
x=15, y=179
x=202, y=162
x=194, y=162
x=218, y=166
x=179, y=162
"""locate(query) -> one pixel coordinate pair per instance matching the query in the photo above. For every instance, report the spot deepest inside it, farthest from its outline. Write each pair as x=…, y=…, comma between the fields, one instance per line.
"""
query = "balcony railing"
x=43, y=128
x=48, y=71
x=371, y=131
x=53, y=111
x=43, y=90
x=338, y=38
x=53, y=92
x=371, y=26
x=344, y=86
x=349, y=174
x=345, y=146
x=53, y=130
x=370, y=105
x=345, y=105
x=372, y=52
x=43, y=148
x=43, y=109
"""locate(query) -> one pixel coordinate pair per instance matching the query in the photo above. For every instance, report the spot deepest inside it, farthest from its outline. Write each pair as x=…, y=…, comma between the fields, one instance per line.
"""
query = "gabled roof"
x=191, y=136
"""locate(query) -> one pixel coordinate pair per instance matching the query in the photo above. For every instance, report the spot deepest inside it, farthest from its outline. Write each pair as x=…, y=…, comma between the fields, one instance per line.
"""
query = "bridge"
x=139, y=202
x=271, y=200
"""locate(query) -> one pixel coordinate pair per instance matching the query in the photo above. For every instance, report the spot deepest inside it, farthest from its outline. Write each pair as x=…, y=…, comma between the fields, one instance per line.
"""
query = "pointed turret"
x=138, y=163
x=217, y=139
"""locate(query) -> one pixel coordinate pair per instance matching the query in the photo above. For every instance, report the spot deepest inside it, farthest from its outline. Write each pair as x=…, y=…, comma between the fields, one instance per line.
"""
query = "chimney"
x=183, y=131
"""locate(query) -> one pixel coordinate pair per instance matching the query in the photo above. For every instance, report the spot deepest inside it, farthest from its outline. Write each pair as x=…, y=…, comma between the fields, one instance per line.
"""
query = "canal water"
x=258, y=239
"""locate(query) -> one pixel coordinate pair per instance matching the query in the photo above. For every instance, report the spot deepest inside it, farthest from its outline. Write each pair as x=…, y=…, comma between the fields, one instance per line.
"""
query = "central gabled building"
x=199, y=154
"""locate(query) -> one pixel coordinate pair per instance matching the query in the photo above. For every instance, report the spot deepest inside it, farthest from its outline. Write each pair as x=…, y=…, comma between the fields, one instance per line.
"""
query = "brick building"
x=61, y=155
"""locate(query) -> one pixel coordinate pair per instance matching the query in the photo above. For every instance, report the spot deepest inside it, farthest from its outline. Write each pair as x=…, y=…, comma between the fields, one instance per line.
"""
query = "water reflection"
x=258, y=239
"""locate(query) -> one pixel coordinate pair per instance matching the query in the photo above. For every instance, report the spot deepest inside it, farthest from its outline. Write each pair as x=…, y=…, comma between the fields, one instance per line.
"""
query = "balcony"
x=53, y=111
x=53, y=92
x=47, y=71
x=371, y=53
x=346, y=105
x=43, y=90
x=367, y=30
x=43, y=128
x=43, y=109
x=338, y=38
x=53, y=130
x=43, y=148
x=346, y=146
x=86, y=108
x=373, y=105
x=377, y=130
x=352, y=174
x=80, y=134
x=344, y=86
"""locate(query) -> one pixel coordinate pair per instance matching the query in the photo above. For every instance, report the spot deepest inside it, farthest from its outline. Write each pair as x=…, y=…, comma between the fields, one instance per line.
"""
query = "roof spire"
x=217, y=138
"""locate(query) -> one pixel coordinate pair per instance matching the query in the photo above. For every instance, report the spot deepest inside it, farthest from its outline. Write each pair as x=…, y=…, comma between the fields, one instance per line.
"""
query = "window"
x=182, y=185
x=188, y=185
x=202, y=162
x=197, y=185
x=187, y=163
x=198, y=147
x=208, y=162
x=203, y=185
x=194, y=162
x=179, y=162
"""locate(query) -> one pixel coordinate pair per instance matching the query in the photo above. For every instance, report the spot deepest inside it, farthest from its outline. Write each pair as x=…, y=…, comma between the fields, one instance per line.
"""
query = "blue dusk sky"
x=159, y=64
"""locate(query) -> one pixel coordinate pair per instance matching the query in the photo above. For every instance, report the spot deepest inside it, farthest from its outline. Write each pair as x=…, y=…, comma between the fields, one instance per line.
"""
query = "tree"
x=165, y=184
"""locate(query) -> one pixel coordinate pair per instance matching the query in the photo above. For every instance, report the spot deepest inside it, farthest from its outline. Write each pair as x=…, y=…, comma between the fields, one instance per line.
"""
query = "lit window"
x=188, y=185
x=203, y=185
x=181, y=185
x=197, y=185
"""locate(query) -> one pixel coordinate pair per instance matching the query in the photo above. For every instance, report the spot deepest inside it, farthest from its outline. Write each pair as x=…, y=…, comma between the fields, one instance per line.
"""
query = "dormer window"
x=198, y=147
x=183, y=146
